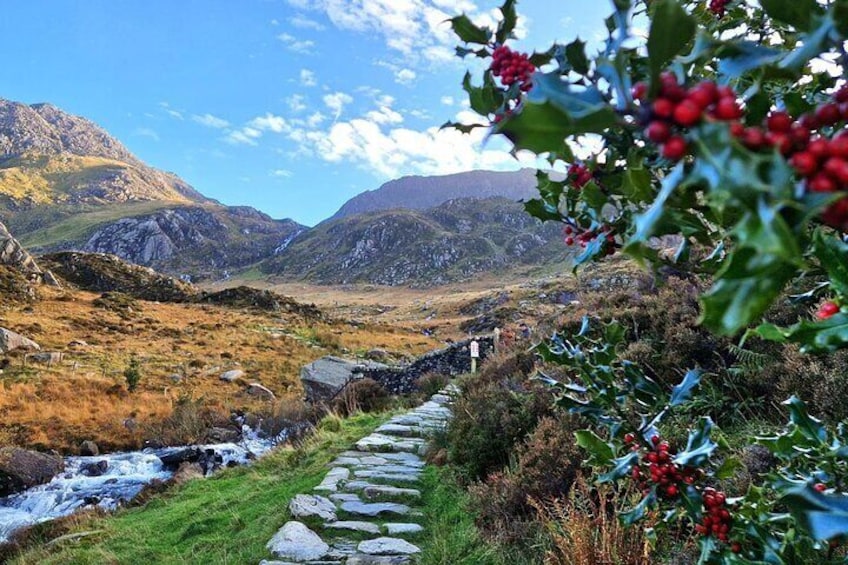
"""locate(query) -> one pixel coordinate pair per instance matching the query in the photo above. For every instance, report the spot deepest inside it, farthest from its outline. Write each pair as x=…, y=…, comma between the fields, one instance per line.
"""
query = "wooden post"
x=497, y=342
x=474, y=348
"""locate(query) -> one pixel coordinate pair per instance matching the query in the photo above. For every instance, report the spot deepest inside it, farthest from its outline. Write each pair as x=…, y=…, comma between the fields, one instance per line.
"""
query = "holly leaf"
x=575, y=53
x=796, y=13
x=683, y=391
x=621, y=469
x=824, y=516
x=699, y=447
x=542, y=210
x=638, y=512
x=465, y=29
x=600, y=452
x=813, y=337
x=810, y=427
x=483, y=99
x=509, y=18
x=832, y=254
x=672, y=28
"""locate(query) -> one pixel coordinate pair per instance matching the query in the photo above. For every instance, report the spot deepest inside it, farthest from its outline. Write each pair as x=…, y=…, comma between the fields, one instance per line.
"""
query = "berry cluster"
x=718, y=520
x=816, y=146
x=676, y=109
x=585, y=236
x=579, y=175
x=512, y=67
x=660, y=470
x=719, y=7
x=827, y=310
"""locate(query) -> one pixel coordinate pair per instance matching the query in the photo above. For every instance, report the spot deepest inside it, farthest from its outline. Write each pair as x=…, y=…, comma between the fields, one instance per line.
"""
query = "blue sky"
x=290, y=106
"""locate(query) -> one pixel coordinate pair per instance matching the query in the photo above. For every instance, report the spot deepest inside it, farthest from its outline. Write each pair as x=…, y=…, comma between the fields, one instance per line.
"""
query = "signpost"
x=474, y=347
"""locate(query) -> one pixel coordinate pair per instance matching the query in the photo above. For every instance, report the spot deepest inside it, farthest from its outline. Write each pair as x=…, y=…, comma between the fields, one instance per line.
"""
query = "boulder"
x=222, y=435
x=10, y=341
x=305, y=505
x=89, y=448
x=95, y=469
x=296, y=542
x=47, y=357
x=387, y=546
x=256, y=389
x=21, y=469
x=231, y=376
x=187, y=472
x=172, y=459
x=324, y=378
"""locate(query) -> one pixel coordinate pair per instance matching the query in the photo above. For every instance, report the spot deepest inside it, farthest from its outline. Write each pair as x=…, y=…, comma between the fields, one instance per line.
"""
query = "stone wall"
x=452, y=360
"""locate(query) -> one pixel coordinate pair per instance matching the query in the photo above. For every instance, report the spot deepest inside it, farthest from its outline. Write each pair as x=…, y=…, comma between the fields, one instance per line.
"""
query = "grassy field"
x=226, y=519
x=182, y=350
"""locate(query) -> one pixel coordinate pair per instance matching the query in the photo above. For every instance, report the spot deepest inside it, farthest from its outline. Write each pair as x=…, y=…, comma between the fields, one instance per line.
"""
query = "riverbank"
x=227, y=518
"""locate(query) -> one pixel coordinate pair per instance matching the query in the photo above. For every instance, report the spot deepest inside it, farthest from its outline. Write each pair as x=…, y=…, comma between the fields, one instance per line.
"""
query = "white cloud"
x=305, y=23
x=275, y=22
x=405, y=76
x=447, y=100
x=336, y=102
x=282, y=173
x=307, y=78
x=292, y=43
x=269, y=122
x=147, y=132
x=296, y=102
x=316, y=119
x=384, y=115
x=244, y=136
x=210, y=121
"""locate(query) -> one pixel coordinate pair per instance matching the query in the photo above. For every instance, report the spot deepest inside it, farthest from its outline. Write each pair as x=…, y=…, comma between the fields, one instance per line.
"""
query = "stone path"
x=364, y=511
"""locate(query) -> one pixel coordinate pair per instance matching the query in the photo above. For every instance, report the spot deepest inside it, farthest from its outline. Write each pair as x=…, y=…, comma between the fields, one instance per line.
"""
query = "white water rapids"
x=125, y=476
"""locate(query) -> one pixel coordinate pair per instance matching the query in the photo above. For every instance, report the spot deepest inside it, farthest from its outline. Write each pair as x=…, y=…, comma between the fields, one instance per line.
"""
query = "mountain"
x=66, y=184
x=421, y=193
x=450, y=242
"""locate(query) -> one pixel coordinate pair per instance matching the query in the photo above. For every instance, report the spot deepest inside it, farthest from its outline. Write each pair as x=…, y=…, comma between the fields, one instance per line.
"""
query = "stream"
x=125, y=475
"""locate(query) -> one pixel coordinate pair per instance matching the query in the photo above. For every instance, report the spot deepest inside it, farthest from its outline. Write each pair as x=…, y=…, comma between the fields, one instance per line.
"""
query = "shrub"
x=489, y=421
x=548, y=463
x=431, y=383
x=364, y=395
x=187, y=424
x=132, y=374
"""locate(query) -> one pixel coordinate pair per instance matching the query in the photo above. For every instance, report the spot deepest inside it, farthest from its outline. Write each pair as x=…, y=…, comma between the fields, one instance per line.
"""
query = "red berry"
x=671, y=490
x=780, y=140
x=639, y=91
x=819, y=148
x=675, y=148
x=687, y=113
x=569, y=240
x=655, y=439
x=779, y=122
x=838, y=146
x=737, y=129
x=841, y=95
x=663, y=107
x=821, y=487
x=753, y=138
x=825, y=311
x=800, y=134
x=658, y=131
x=703, y=95
x=809, y=121
x=836, y=215
x=837, y=169
x=822, y=183
x=828, y=114
x=728, y=109
x=628, y=438
x=736, y=547
x=805, y=163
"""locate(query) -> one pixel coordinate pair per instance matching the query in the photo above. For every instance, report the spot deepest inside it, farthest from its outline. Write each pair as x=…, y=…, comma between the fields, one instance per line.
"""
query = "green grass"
x=79, y=226
x=451, y=536
x=226, y=519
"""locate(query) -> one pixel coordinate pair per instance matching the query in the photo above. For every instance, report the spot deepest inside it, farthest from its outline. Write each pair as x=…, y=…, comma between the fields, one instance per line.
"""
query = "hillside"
x=421, y=193
x=66, y=184
x=450, y=242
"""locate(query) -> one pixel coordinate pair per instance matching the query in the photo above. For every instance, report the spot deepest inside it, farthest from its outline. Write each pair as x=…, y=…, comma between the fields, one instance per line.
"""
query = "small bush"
x=548, y=463
x=132, y=374
x=187, y=424
x=364, y=395
x=431, y=383
x=489, y=421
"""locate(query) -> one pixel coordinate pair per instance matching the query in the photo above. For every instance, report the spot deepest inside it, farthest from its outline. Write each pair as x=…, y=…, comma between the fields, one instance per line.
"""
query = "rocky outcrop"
x=99, y=272
x=11, y=341
x=454, y=241
x=21, y=469
x=324, y=378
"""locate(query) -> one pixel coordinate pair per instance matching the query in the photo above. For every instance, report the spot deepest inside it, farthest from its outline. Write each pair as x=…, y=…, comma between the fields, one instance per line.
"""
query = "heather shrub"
x=490, y=419
x=547, y=464
x=364, y=395
x=431, y=383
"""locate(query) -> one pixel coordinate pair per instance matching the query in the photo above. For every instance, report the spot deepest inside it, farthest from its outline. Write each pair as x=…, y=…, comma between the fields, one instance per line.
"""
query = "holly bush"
x=726, y=128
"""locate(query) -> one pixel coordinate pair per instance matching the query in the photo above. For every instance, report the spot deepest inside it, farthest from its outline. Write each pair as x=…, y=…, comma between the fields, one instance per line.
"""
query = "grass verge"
x=225, y=519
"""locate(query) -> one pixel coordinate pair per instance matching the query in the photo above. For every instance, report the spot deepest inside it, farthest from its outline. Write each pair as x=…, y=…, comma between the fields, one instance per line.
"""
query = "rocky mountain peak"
x=45, y=129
